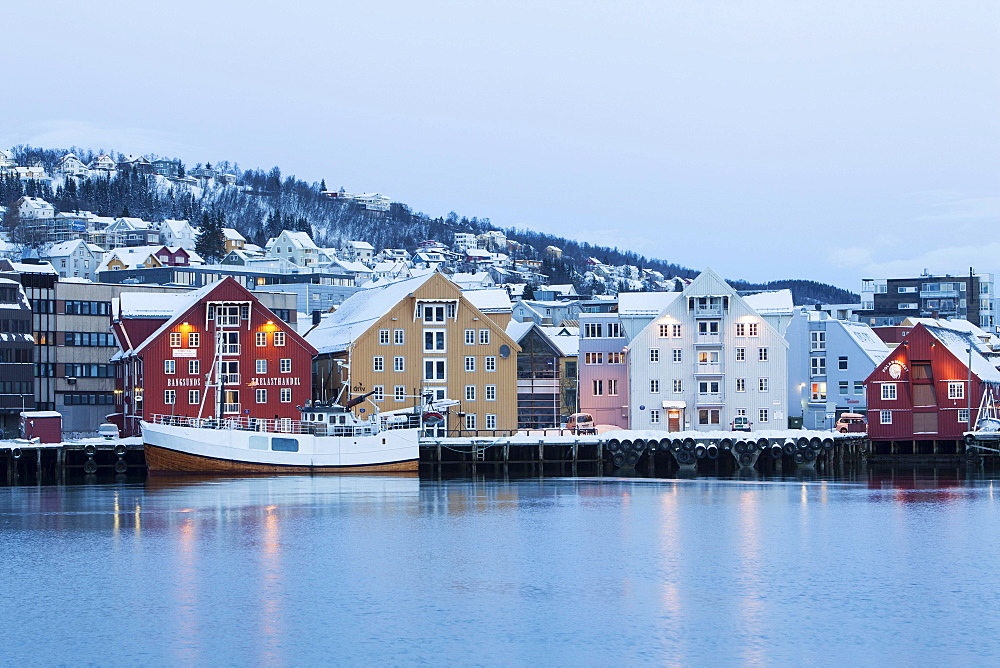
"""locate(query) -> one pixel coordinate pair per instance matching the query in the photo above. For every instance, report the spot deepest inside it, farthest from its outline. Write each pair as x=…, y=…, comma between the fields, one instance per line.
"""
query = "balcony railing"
x=710, y=368
x=702, y=311
x=231, y=409
x=710, y=339
x=227, y=320
x=229, y=349
x=230, y=379
x=708, y=398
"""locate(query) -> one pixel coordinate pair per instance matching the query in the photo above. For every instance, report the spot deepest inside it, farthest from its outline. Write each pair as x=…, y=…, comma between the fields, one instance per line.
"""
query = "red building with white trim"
x=923, y=396
x=216, y=350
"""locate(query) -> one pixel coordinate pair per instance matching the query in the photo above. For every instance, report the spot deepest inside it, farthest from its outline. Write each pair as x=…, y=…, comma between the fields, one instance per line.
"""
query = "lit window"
x=818, y=392
x=593, y=358
x=194, y=339
x=490, y=363
x=616, y=358
x=261, y=338
x=261, y=366
x=286, y=395
x=175, y=339
x=285, y=365
x=169, y=366
x=279, y=338
x=261, y=395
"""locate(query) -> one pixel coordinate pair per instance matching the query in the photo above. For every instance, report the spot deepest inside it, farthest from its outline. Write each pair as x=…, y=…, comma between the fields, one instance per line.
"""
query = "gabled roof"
x=130, y=257
x=770, y=301
x=359, y=312
x=232, y=235
x=489, y=300
x=359, y=245
x=960, y=343
x=299, y=239
x=645, y=303
x=67, y=247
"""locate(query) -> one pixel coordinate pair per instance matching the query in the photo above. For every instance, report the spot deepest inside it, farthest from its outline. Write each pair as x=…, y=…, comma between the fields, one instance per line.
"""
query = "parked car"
x=740, y=423
x=851, y=422
x=581, y=423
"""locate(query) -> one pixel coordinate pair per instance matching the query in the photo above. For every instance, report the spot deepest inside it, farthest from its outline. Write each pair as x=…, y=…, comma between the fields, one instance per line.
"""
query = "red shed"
x=926, y=390
x=213, y=352
x=44, y=425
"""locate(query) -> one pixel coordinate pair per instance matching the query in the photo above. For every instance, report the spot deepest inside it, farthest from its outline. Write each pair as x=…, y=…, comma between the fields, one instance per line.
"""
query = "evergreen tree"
x=322, y=185
x=211, y=242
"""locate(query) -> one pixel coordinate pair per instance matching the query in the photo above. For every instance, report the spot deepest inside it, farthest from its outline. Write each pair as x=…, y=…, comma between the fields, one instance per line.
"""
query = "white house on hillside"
x=74, y=259
x=177, y=233
x=708, y=358
x=34, y=208
x=359, y=251
x=296, y=247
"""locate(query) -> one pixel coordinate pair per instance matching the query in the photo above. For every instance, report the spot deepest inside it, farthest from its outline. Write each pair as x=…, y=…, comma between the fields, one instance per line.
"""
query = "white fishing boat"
x=328, y=439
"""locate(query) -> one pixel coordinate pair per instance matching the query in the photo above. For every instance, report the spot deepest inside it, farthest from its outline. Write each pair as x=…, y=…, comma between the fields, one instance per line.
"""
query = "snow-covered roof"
x=489, y=300
x=359, y=312
x=353, y=267
x=360, y=245
x=300, y=239
x=132, y=258
x=645, y=303
x=25, y=268
x=959, y=343
x=563, y=289
x=567, y=339
x=770, y=301
x=869, y=342
x=518, y=330
x=232, y=235
x=66, y=247
x=176, y=227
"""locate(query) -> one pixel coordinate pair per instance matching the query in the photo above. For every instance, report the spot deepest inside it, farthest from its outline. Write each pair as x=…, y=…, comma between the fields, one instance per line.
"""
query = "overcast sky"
x=768, y=139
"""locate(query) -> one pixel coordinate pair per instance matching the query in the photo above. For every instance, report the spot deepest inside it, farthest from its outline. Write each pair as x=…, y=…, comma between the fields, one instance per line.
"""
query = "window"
x=399, y=393
x=383, y=337
x=741, y=384
x=398, y=365
x=279, y=338
x=194, y=339
x=169, y=397
x=470, y=363
x=378, y=363
x=678, y=386
x=175, y=339
x=889, y=391
x=859, y=387
x=260, y=339
x=194, y=397
x=470, y=421
x=398, y=337
x=612, y=387
x=817, y=341
x=903, y=289
x=818, y=392
x=752, y=331
x=762, y=354
x=762, y=384
x=654, y=355
x=490, y=363
x=708, y=328
x=616, y=358
x=708, y=387
x=593, y=330
x=844, y=387
x=598, y=388
x=741, y=329
x=260, y=367
x=470, y=337
x=484, y=337
x=885, y=417
x=593, y=358
x=169, y=366
x=664, y=331
x=817, y=366
x=286, y=395
x=741, y=354
x=963, y=415
x=654, y=386
x=708, y=416
x=614, y=330
x=470, y=392
x=762, y=416
x=491, y=421
x=434, y=369
x=675, y=330
x=677, y=355
x=956, y=390
x=491, y=393
x=434, y=341
x=260, y=395
x=908, y=306
x=285, y=365
x=379, y=391
x=654, y=417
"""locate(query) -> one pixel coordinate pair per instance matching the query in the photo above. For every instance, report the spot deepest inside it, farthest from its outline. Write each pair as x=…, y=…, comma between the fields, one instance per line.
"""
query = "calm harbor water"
x=398, y=570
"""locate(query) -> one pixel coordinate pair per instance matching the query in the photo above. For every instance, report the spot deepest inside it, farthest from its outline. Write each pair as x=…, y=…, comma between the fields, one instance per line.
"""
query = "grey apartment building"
x=888, y=301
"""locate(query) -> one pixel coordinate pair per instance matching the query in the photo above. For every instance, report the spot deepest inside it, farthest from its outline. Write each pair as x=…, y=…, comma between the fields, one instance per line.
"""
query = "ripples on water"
x=390, y=570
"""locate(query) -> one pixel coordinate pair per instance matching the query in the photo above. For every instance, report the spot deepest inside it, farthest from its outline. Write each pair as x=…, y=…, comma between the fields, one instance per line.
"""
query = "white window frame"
x=762, y=354
x=889, y=392
x=398, y=337
x=762, y=384
x=194, y=397
x=470, y=421
x=654, y=355
x=654, y=385
x=741, y=354
x=678, y=355
x=285, y=396
x=379, y=393
x=285, y=365
x=470, y=363
x=194, y=339
x=170, y=366
x=260, y=367
x=491, y=421
x=491, y=393
x=470, y=337
x=399, y=393
x=260, y=338
x=762, y=415
x=438, y=363
x=885, y=417
x=612, y=387
x=678, y=386
x=470, y=392
x=484, y=337
x=654, y=416
x=384, y=336
x=956, y=390
x=260, y=395
x=439, y=341
x=169, y=397
x=279, y=339
x=378, y=364
x=963, y=416
x=399, y=364
x=490, y=363
x=175, y=339
x=741, y=384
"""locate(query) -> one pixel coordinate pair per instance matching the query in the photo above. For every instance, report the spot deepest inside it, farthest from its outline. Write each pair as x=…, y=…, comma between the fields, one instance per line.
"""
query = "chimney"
x=934, y=314
x=317, y=316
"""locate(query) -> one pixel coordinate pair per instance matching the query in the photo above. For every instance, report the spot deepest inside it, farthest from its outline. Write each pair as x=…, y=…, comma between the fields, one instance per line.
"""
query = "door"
x=673, y=420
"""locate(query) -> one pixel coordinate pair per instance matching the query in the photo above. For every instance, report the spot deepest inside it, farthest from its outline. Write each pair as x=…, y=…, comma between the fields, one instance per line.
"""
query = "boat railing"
x=279, y=425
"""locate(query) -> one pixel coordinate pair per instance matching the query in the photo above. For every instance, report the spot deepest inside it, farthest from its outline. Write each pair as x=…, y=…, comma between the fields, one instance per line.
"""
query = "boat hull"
x=172, y=449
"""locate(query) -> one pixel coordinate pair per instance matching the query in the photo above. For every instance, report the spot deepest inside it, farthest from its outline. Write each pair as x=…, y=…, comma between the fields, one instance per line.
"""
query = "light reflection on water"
x=297, y=570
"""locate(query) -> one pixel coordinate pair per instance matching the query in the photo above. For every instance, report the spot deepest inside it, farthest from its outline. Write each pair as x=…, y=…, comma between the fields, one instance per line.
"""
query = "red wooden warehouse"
x=215, y=351
x=925, y=394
